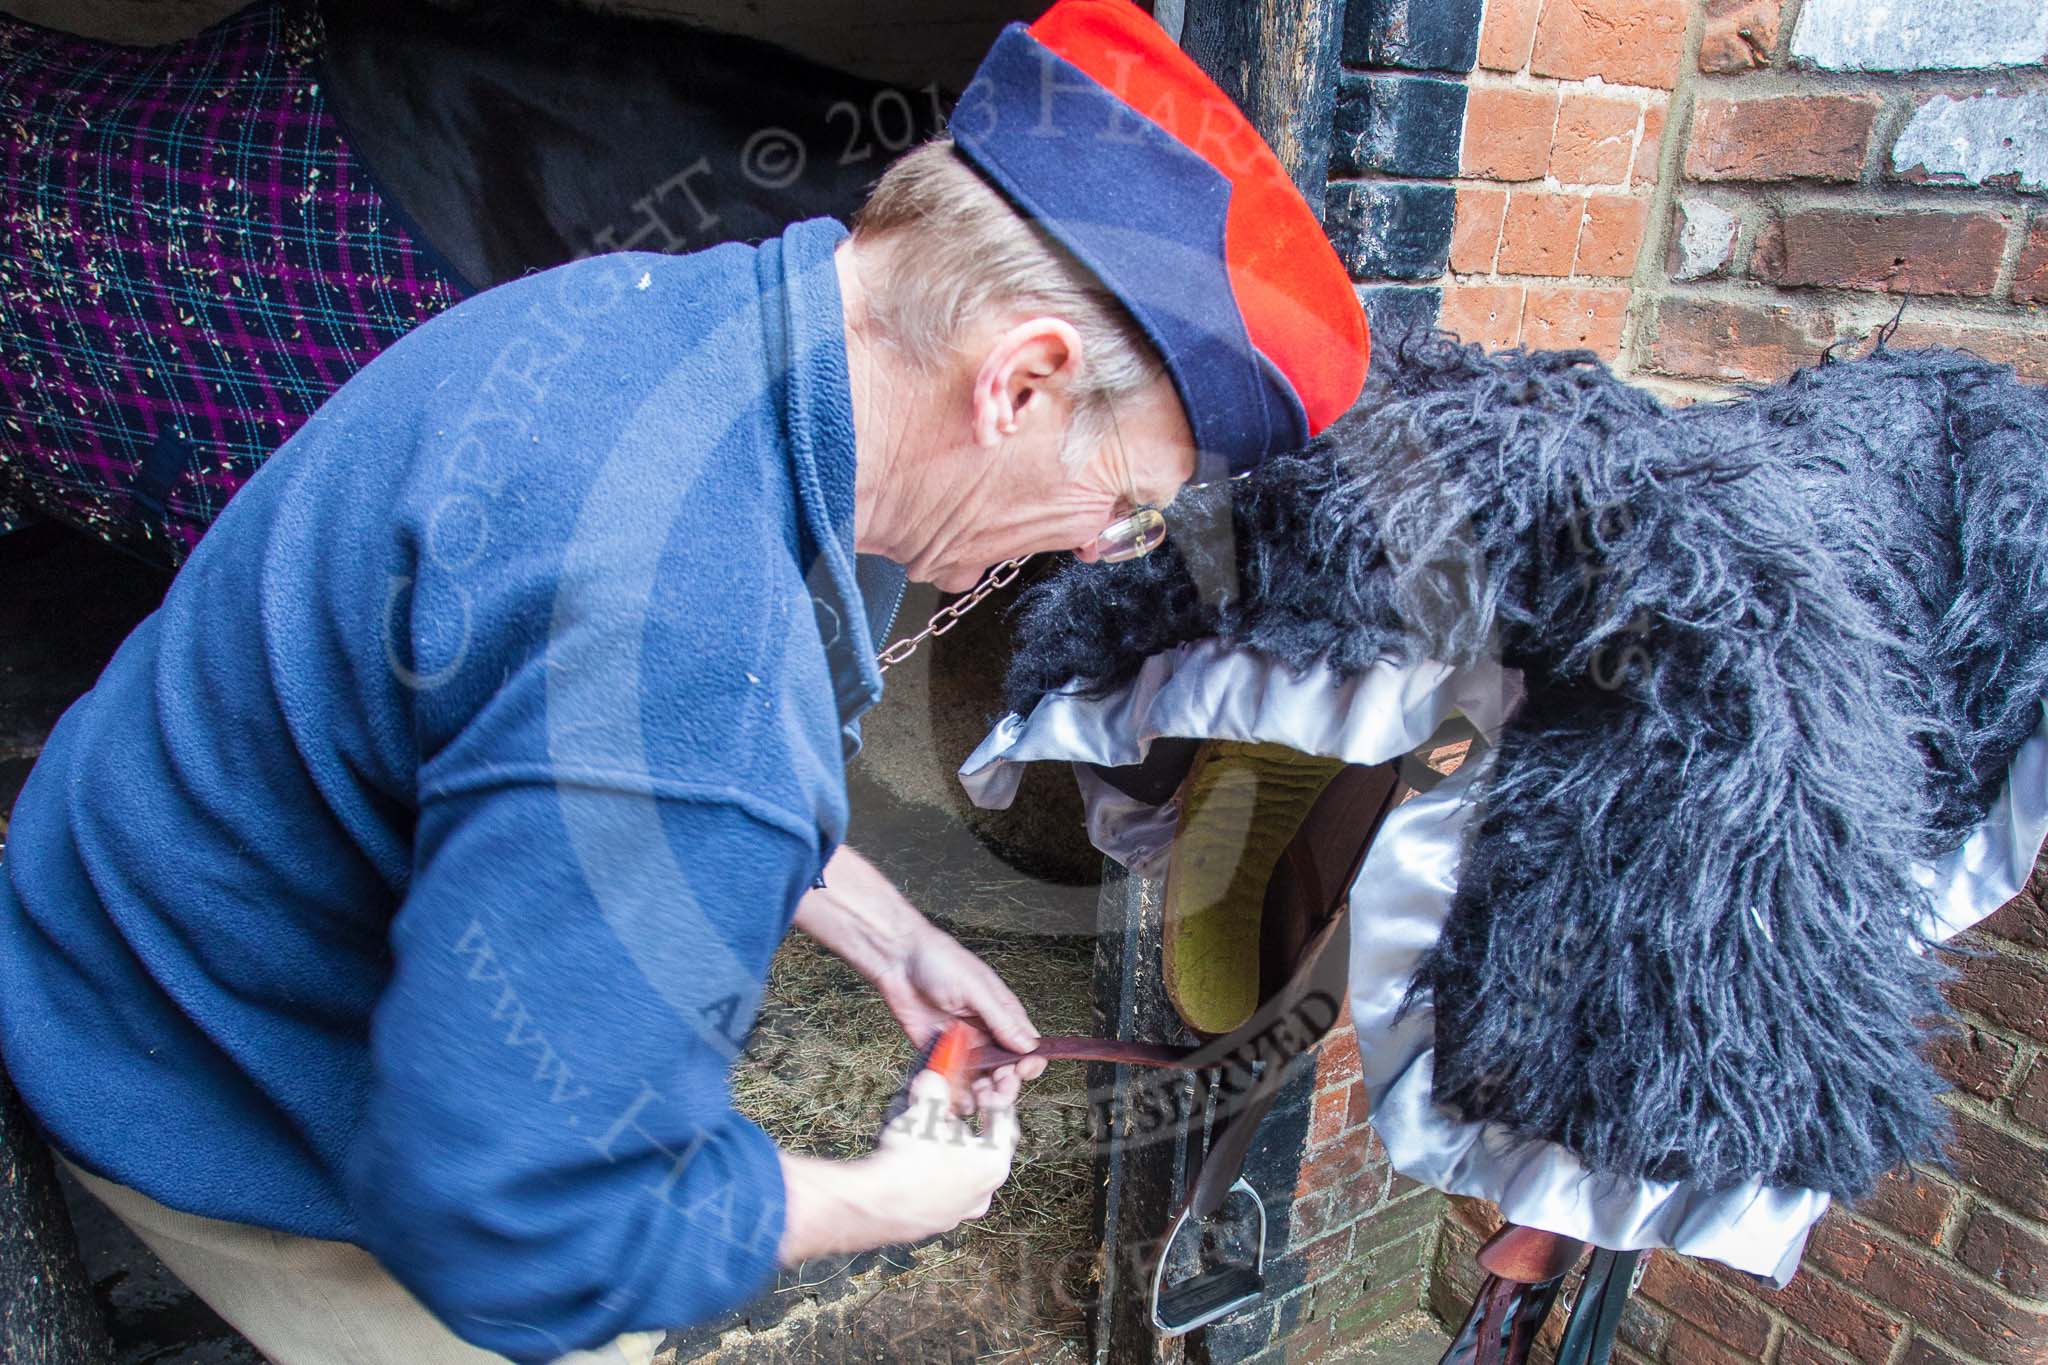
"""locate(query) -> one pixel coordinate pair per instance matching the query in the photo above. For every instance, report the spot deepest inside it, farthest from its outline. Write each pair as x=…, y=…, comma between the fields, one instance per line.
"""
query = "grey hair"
x=958, y=250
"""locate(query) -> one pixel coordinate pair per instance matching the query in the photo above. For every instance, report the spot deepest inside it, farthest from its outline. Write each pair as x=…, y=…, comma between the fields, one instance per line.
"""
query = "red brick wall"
x=1564, y=129
x=1684, y=187
x=1714, y=191
x=1365, y=1233
x=1933, y=1269
x=1937, y=1268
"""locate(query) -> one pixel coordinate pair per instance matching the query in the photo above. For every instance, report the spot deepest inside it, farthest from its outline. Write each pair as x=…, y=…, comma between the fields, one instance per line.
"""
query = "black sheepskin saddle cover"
x=1775, y=649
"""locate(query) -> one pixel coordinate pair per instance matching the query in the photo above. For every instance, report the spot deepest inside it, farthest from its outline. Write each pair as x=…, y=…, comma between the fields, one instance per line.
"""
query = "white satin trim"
x=1998, y=857
x=1398, y=907
x=1207, y=690
x=1403, y=896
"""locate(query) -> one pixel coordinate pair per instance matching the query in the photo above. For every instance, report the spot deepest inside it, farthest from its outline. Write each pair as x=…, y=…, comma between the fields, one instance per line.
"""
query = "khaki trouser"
x=302, y=1301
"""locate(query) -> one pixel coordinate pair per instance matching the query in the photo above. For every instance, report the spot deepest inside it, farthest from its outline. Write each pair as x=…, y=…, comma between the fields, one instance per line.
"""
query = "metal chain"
x=948, y=616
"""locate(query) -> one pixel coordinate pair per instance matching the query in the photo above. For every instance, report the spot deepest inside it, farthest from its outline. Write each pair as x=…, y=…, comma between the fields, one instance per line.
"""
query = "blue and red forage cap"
x=1095, y=124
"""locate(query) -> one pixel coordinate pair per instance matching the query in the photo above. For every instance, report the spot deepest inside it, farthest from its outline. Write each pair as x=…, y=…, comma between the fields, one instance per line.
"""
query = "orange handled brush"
x=948, y=1055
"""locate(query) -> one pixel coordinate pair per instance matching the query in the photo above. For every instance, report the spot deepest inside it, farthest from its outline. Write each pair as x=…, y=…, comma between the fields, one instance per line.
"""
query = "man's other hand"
x=930, y=1171
x=924, y=974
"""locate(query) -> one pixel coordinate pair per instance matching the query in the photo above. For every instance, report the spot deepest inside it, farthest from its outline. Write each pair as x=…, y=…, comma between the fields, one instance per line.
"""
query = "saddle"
x=1526, y=1270
x=1255, y=951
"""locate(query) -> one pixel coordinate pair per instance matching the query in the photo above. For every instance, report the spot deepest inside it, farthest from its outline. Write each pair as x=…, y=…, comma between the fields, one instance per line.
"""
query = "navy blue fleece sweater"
x=409, y=878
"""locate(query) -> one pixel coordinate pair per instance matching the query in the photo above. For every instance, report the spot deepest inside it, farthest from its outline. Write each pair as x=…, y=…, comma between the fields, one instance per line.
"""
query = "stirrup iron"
x=1212, y=1294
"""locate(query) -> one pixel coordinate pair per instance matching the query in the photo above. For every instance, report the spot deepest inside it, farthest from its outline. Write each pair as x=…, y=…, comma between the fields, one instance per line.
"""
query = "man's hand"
x=929, y=1172
x=923, y=973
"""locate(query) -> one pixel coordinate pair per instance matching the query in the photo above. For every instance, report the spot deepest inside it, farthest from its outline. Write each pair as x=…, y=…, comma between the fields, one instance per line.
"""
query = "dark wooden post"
x=1138, y=1184
x=47, y=1312
x=1278, y=59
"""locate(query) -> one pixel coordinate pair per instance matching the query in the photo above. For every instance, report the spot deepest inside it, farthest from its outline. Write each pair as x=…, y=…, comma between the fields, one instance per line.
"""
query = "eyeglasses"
x=1138, y=532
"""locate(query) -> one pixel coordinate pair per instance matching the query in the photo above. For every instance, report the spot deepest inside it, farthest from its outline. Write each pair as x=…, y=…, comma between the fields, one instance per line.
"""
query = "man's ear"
x=1025, y=367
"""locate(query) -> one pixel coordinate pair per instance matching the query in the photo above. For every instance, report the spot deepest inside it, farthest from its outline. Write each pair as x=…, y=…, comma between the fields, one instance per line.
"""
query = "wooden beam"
x=47, y=1312
x=1138, y=1184
x=1278, y=60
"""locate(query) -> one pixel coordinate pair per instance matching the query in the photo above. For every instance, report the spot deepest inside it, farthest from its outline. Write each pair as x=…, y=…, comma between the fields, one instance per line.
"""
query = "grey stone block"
x=1402, y=125
x=1706, y=240
x=1237, y=1339
x=1393, y=311
x=1913, y=35
x=1391, y=230
x=1419, y=35
x=1976, y=141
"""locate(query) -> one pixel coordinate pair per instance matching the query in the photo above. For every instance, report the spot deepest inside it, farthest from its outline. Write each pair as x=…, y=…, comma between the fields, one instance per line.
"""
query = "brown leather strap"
x=1498, y=1296
x=989, y=1056
x=1313, y=999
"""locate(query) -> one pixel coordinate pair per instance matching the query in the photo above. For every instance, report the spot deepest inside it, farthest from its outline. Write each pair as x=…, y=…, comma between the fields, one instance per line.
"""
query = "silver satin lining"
x=1208, y=691
x=1403, y=896
x=1998, y=857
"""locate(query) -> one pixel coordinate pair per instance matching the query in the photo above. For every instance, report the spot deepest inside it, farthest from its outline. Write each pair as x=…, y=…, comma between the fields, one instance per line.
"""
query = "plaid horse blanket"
x=190, y=263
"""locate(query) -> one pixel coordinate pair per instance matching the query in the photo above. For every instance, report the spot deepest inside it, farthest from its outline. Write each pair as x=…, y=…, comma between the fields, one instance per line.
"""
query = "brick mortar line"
x=1970, y=1202
x=1790, y=78
x=1782, y=1326
x=1913, y=1324
x=1943, y=1342
x=1414, y=1235
x=1751, y=217
x=1644, y=193
x=1416, y=1195
x=1780, y=78
x=2005, y=947
x=1920, y=308
x=1388, y=178
x=1987, y=1114
x=1497, y=280
x=2009, y=264
x=2024, y=1048
x=1694, y=390
x=1378, y=1207
x=1813, y=193
x=1788, y=24
x=1879, y=1232
x=1598, y=87
x=2027, y=1053
x=1894, y=111
x=1777, y=1323
x=1547, y=184
x=1435, y=1234
x=1827, y=1351
x=1350, y=1228
x=1359, y=69
x=1655, y=247
x=1786, y=197
x=1635, y=155
x=1336, y=1268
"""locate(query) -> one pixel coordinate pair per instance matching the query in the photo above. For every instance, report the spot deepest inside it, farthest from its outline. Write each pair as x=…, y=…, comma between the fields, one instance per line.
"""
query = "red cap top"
x=1294, y=294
